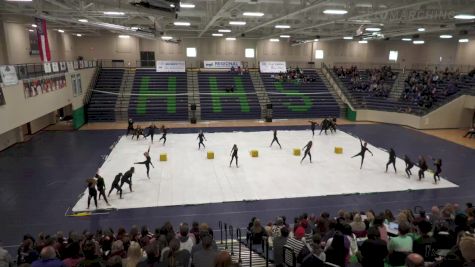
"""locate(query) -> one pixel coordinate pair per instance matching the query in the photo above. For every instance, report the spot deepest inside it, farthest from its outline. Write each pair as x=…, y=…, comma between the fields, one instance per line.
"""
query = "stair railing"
x=231, y=233
x=220, y=225
x=92, y=85
x=239, y=236
x=225, y=236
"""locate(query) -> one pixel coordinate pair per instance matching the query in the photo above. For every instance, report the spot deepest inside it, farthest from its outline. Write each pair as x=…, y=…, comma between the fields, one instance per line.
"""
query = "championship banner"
x=272, y=66
x=70, y=66
x=35, y=87
x=220, y=64
x=55, y=66
x=81, y=64
x=8, y=74
x=170, y=66
x=47, y=67
x=2, y=97
x=43, y=44
x=62, y=66
x=75, y=65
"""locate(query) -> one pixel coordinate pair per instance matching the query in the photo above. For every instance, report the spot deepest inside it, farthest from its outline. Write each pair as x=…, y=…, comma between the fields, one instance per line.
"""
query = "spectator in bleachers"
x=73, y=255
x=117, y=253
x=425, y=244
x=358, y=226
x=278, y=225
x=48, y=258
x=414, y=260
x=312, y=254
x=174, y=256
x=5, y=258
x=278, y=246
x=258, y=232
x=134, y=255
x=223, y=260
x=186, y=239
x=206, y=256
x=467, y=248
x=153, y=257
x=373, y=251
x=383, y=232
x=337, y=249
x=399, y=247
x=296, y=241
x=26, y=253
x=388, y=216
x=91, y=258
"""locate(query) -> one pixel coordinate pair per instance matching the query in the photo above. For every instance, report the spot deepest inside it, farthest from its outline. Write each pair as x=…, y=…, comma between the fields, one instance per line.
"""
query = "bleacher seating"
x=292, y=99
x=170, y=107
x=240, y=104
x=101, y=105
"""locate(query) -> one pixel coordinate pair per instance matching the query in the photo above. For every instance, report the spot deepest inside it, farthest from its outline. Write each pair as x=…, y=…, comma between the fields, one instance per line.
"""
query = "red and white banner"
x=43, y=44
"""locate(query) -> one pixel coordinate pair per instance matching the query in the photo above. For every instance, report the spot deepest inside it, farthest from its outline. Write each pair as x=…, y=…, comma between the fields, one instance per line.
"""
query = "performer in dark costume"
x=116, y=185
x=101, y=187
x=333, y=125
x=392, y=159
x=313, y=125
x=151, y=131
x=362, y=153
x=127, y=178
x=201, y=137
x=147, y=162
x=139, y=131
x=234, y=155
x=409, y=165
x=324, y=126
x=307, y=148
x=275, y=139
x=470, y=132
x=438, y=169
x=422, y=167
x=164, y=134
x=91, y=186
x=130, y=127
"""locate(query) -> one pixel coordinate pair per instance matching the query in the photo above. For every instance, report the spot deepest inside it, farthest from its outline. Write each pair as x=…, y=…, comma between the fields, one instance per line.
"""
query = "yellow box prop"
x=163, y=157
x=254, y=153
x=210, y=155
x=296, y=151
x=338, y=150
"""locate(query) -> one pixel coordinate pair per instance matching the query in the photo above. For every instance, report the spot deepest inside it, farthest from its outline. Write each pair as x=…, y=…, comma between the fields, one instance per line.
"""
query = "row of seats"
x=223, y=95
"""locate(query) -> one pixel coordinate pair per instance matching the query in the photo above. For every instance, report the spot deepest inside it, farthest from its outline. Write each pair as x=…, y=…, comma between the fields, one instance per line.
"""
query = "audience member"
x=373, y=251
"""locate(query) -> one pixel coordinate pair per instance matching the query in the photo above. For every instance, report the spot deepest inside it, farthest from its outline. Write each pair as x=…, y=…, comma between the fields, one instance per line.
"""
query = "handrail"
x=220, y=225
x=266, y=248
x=292, y=253
x=231, y=232
x=225, y=236
x=239, y=235
x=249, y=245
x=92, y=85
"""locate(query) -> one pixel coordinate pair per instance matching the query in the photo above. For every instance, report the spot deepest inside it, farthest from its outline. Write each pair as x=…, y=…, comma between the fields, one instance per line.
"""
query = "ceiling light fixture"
x=230, y=39
x=217, y=34
x=19, y=0
x=114, y=13
x=335, y=11
x=464, y=16
x=59, y=30
x=187, y=5
x=285, y=36
x=224, y=30
x=406, y=39
x=83, y=20
x=166, y=38
x=274, y=40
x=417, y=42
x=282, y=26
x=237, y=23
x=34, y=25
x=316, y=40
x=348, y=37
x=463, y=41
x=445, y=36
x=253, y=14
x=78, y=34
x=124, y=36
x=134, y=28
x=363, y=42
x=30, y=30
x=421, y=29
x=181, y=23
x=371, y=29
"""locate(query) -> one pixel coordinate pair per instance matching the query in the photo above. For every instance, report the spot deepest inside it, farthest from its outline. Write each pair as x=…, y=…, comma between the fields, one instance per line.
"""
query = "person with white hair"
x=5, y=258
x=48, y=259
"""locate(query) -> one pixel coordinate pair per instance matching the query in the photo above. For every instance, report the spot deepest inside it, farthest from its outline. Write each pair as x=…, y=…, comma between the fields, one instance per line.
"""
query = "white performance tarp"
x=170, y=66
x=272, y=66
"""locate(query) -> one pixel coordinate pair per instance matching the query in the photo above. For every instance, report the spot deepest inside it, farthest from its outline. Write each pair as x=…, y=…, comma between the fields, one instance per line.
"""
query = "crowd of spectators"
x=295, y=75
x=425, y=87
x=443, y=237
x=377, y=82
x=137, y=247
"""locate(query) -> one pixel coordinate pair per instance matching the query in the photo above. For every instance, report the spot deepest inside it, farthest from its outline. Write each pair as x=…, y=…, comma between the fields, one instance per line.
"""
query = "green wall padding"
x=78, y=118
x=350, y=114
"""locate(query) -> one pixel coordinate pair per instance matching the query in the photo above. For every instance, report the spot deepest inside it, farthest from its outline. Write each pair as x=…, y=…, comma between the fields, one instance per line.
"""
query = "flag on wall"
x=43, y=44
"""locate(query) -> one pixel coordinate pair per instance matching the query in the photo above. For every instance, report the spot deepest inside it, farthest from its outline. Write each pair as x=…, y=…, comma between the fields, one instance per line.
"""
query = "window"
x=249, y=52
x=393, y=55
x=318, y=54
x=191, y=51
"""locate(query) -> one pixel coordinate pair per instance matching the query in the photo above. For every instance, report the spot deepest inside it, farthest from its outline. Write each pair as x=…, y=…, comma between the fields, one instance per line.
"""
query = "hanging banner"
x=75, y=65
x=70, y=66
x=73, y=84
x=55, y=66
x=8, y=74
x=47, y=67
x=62, y=66
x=35, y=87
x=81, y=64
x=170, y=66
x=43, y=44
x=2, y=97
x=220, y=64
x=272, y=66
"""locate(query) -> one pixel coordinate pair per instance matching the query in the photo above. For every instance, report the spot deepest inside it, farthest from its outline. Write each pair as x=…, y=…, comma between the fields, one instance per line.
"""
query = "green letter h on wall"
x=145, y=93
